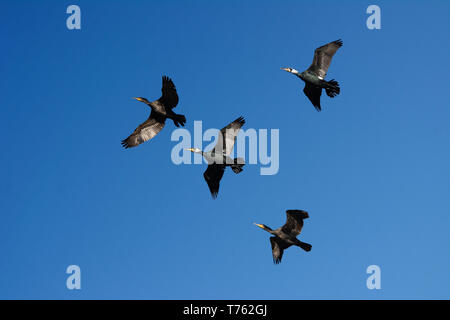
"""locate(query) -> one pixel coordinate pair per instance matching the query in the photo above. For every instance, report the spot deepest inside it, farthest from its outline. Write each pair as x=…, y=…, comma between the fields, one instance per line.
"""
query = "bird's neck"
x=298, y=74
x=269, y=230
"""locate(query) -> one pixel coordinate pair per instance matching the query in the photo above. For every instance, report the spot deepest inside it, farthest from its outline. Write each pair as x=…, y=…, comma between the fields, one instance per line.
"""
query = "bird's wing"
x=227, y=136
x=294, y=222
x=169, y=96
x=313, y=93
x=322, y=58
x=147, y=130
x=213, y=174
x=278, y=247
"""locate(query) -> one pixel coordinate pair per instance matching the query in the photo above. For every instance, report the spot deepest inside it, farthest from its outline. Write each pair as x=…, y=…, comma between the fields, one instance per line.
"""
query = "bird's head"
x=290, y=70
x=142, y=100
x=195, y=150
x=263, y=226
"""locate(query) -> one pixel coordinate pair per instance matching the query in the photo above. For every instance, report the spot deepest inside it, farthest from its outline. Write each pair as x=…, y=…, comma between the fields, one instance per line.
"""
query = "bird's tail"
x=179, y=119
x=305, y=246
x=332, y=88
x=238, y=165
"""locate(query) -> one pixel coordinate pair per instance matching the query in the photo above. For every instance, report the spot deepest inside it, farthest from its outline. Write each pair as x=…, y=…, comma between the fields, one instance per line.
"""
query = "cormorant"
x=218, y=158
x=161, y=110
x=314, y=76
x=286, y=236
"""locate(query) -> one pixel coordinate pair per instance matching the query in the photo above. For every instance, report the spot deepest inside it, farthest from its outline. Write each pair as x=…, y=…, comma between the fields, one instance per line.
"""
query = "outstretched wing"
x=213, y=174
x=322, y=58
x=294, y=221
x=147, y=130
x=227, y=136
x=313, y=93
x=278, y=247
x=169, y=96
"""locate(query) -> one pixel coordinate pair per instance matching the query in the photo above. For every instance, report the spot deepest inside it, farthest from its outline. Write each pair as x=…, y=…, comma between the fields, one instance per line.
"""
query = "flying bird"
x=219, y=157
x=286, y=236
x=161, y=109
x=314, y=76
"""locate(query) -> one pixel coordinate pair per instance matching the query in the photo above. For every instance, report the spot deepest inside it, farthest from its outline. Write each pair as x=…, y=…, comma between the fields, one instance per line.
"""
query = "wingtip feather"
x=240, y=120
x=124, y=143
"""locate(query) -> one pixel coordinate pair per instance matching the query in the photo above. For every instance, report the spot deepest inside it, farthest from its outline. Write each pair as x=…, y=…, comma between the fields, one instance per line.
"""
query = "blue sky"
x=372, y=168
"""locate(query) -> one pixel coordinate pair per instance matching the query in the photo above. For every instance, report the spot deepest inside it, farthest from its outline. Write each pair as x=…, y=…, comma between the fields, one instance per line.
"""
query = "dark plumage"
x=286, y=235
x=218, y=158
x=314, y=76
x=161, y=109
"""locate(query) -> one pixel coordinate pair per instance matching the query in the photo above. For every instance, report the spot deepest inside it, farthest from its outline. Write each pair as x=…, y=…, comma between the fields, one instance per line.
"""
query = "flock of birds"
x=219, y=157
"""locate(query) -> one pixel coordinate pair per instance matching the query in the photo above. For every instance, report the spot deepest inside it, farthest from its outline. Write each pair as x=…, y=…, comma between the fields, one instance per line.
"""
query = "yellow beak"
x=259, y=225
x=190, y=149
x=138, y=99
x=285, y=69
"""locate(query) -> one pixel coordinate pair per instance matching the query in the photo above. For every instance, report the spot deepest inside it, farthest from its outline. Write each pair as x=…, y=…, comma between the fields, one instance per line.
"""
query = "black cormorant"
x=218, y=158
x=286, y=236
x=161, y=110
x=314, y=76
